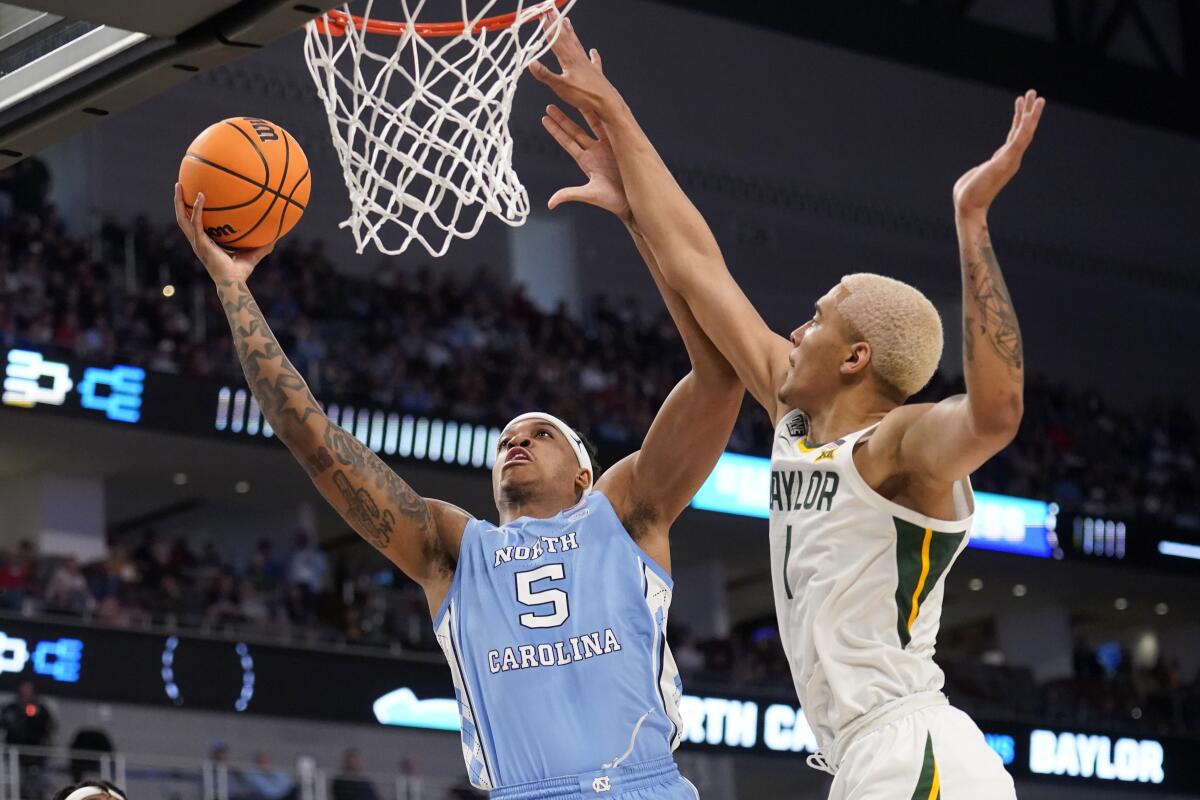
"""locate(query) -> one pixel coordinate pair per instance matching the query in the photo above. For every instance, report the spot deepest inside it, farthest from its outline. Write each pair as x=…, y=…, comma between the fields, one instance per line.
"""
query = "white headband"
x=573, y=439
x=84, y=792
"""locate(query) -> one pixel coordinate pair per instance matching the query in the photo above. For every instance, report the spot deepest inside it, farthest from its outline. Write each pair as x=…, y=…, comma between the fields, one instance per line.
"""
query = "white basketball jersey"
x=858, y=580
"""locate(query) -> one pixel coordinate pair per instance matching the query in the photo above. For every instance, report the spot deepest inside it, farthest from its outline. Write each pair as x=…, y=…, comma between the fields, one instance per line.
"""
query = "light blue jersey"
x=555, y=634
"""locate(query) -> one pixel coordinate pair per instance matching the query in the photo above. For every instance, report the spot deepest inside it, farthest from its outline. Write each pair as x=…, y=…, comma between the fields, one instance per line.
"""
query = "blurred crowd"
x=300, y=595
x=477, y=350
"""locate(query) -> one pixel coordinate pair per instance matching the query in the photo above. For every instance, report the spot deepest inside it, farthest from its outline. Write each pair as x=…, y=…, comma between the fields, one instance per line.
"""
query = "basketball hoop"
x=420, y=124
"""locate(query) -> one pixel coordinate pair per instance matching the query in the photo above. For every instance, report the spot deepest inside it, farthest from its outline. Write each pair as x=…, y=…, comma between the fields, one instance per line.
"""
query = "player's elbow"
x=690, y=265
x=1000, y=419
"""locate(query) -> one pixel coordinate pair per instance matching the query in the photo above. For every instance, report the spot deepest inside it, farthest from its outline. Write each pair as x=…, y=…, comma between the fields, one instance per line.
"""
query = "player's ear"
x=582, y=480
x=857, y=359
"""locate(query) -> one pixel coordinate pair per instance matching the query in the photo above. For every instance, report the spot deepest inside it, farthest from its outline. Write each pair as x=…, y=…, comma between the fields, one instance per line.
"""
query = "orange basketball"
x=255, y=181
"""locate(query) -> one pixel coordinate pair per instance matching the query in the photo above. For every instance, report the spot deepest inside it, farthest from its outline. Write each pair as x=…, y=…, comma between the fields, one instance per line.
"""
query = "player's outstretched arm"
x=685, y=248
x=956, y=436
x=420, y=536
x=651, y=487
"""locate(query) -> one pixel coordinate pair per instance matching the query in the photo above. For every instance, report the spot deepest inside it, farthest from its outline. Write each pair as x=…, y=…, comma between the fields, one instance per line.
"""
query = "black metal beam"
x=1152, y=40
x=937, y=38
x=1189, y=31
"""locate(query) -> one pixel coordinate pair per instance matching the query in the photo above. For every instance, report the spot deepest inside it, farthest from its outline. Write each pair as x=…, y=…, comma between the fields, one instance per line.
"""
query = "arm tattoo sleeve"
x=989, y=311
x=380, y=506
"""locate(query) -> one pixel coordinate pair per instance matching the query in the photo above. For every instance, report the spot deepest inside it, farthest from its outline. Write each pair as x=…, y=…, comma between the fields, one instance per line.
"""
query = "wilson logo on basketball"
x=254, y=177
x=265, y=130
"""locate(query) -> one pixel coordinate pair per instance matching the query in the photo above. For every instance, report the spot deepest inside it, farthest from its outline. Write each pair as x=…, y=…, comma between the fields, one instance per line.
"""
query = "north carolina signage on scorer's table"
x=782, y=728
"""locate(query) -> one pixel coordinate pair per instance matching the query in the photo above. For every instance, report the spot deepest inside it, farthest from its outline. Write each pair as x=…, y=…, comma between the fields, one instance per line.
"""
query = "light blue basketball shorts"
x=658, y=779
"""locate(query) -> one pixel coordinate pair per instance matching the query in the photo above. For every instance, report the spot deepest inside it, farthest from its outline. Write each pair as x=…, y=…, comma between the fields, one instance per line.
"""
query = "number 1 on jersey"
x=526, y=596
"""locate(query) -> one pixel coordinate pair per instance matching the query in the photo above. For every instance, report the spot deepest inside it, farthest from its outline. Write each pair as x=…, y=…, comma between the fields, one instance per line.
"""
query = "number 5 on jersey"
x=526, y=596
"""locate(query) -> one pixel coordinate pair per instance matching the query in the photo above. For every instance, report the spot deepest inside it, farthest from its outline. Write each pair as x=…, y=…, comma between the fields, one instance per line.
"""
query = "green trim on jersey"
x=922, y=555
x=787, y=553
x=929, y=784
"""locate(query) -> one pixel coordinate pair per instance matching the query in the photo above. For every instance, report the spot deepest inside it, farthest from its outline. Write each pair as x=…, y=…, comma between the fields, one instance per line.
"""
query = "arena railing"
x=31, y=771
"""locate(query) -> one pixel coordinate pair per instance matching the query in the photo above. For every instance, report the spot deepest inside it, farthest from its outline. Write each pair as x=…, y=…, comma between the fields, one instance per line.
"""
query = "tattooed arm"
x=947, y=441
x=420, y=536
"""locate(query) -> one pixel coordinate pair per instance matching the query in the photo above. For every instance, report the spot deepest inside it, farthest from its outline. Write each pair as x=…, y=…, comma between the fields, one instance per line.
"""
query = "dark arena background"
x=191, y=620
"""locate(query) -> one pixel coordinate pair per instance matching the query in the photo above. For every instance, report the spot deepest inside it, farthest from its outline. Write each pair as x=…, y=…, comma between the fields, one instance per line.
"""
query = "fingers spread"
x=572, y=39
x=569, y=195
x=542, y=73
x=1016, y=120
x=1030, y=119
x=570, y=127
x=565, y=141
x=565, y=44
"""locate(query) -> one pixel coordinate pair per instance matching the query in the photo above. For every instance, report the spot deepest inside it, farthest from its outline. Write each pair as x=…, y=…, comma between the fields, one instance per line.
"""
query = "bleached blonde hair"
x=901, y=325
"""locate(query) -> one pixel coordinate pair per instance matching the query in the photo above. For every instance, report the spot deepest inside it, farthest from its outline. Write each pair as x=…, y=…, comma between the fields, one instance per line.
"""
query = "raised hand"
x=595, y=158
x=221, y=265
x=975, y=190
x=581, y=82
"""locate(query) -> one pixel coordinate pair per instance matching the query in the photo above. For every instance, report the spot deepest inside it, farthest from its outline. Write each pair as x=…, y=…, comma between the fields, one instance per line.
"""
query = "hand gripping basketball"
x=221, y=265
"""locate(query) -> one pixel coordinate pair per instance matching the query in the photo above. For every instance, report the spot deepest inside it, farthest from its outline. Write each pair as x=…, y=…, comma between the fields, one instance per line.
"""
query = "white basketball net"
x=421, y=124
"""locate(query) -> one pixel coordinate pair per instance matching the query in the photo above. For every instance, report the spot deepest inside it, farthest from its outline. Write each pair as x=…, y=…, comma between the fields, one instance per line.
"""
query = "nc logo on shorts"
x=601, y=784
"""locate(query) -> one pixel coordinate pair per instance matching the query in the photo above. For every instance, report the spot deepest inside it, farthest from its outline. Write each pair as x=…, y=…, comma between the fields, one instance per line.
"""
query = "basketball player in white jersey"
x=870, y=502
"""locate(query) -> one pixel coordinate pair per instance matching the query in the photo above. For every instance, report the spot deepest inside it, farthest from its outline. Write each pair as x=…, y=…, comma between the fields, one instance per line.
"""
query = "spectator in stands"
x=17, y=572
x=25, y=185
x=27, y=722
x=219, y=753
x=251, y=608
x=307, y=569
x=86, y=746
x=114, y=575
x=263, y=782
x=350, y=784
x=210, y=564
x=223, y=603
x=110, y=611
x=142, y=555
x=67, y=591
x=264, y=569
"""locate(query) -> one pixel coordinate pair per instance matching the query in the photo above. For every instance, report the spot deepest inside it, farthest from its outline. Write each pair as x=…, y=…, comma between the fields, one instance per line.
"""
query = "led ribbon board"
x=740, y=484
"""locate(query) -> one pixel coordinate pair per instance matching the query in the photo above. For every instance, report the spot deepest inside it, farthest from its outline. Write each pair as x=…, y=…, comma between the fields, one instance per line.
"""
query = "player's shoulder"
x=890, y=431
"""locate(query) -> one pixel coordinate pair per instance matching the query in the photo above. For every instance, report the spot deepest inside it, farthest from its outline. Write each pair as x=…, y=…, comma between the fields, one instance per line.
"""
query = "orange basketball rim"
x=336, y=22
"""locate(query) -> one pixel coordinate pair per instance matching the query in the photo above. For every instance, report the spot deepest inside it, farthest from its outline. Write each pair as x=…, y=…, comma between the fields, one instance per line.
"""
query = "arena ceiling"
x=1137, y=59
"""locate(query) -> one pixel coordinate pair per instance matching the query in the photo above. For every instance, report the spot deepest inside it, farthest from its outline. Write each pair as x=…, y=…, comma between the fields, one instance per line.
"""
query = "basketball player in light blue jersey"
x=553, y=622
